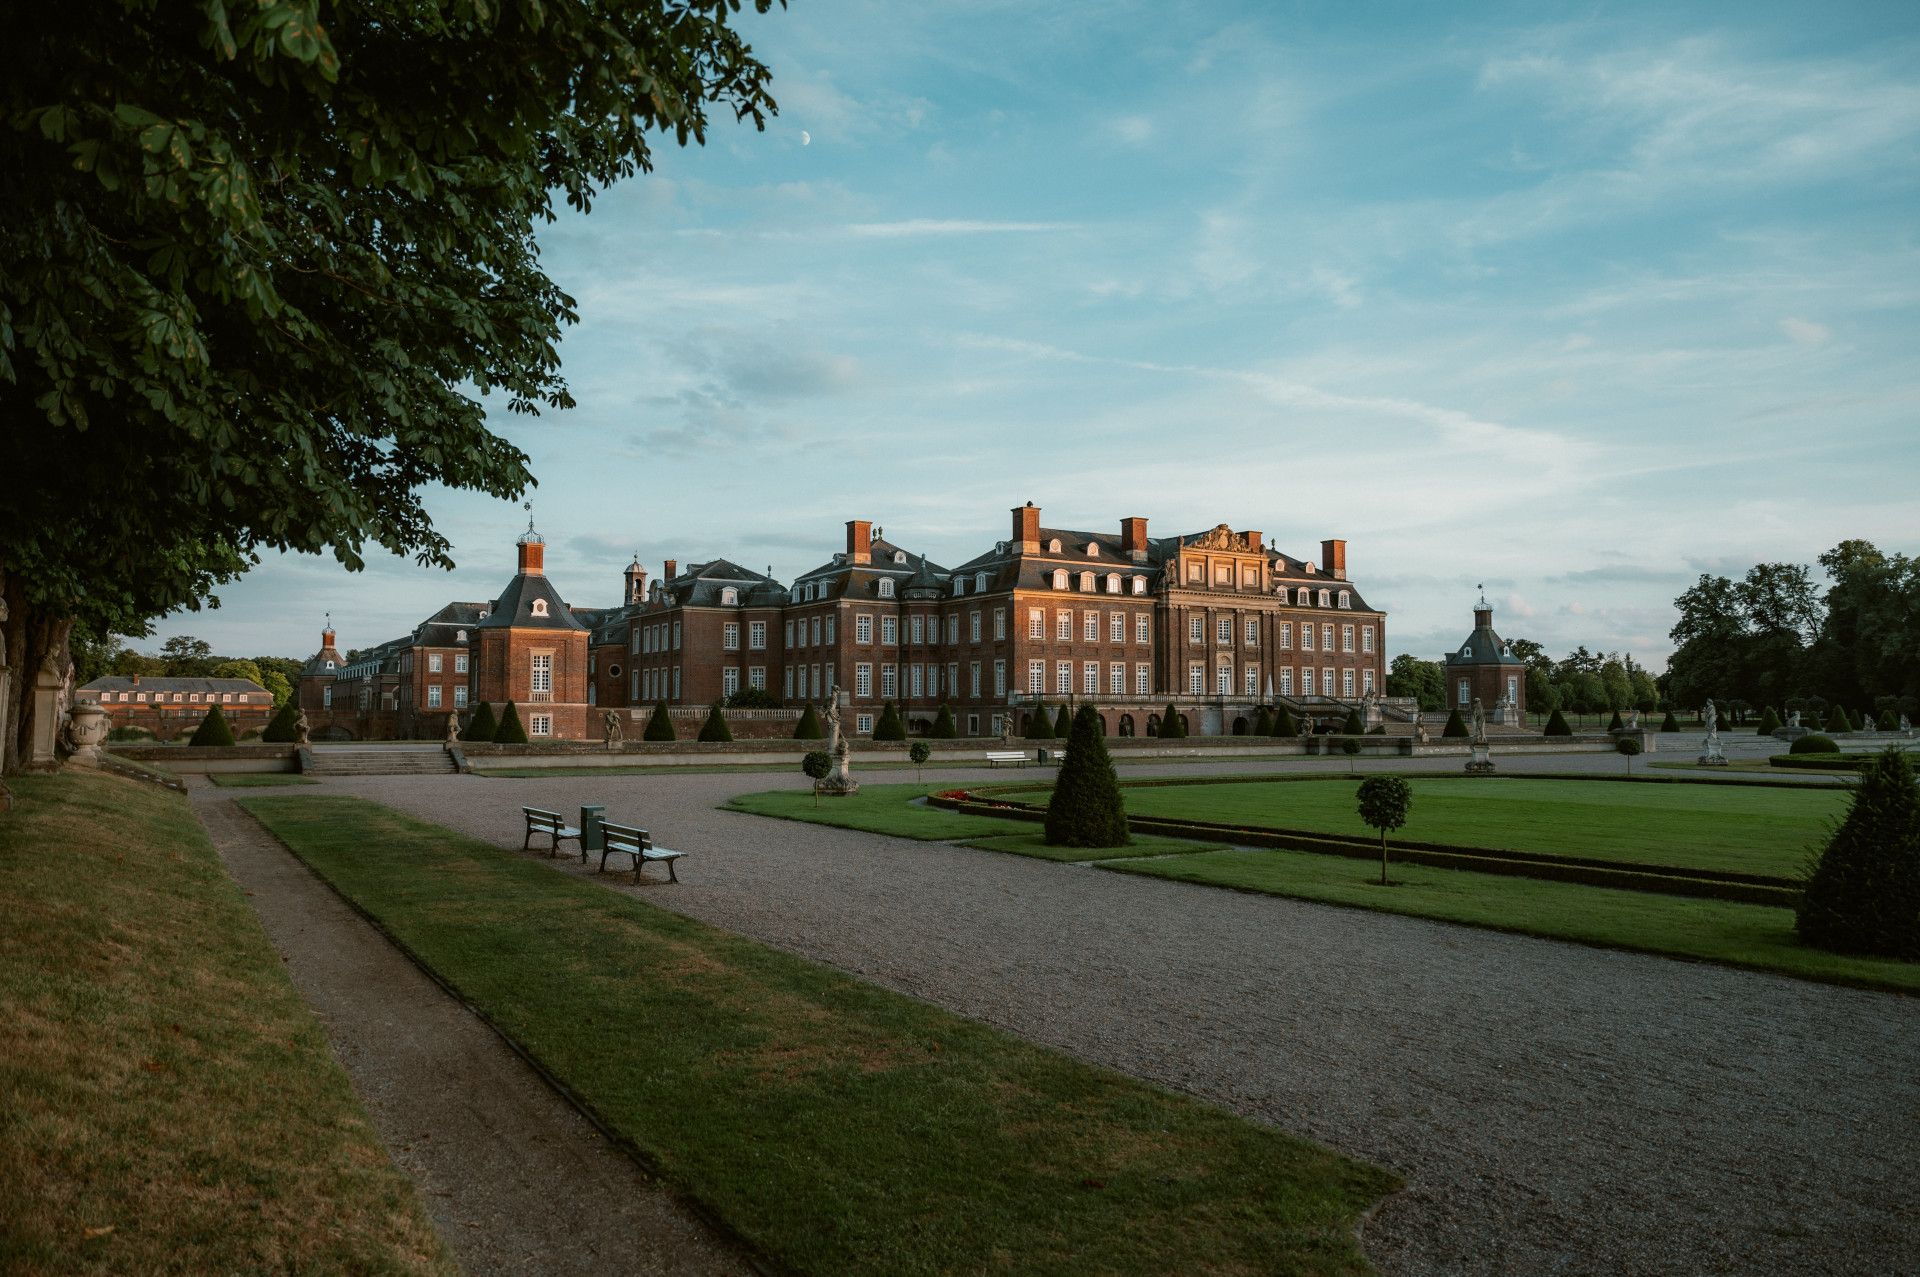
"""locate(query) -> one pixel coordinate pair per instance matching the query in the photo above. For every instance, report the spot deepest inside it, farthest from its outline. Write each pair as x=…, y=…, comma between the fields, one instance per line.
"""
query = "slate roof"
x=1483, y=647
x=514, y=607
x=702, y=583
x=216, y=686
x=444, y=627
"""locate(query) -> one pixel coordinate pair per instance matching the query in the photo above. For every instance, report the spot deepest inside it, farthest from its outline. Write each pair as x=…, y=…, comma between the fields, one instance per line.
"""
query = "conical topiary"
x=1456, y=726
x=1353, y=726
x=511, y=730
x=1837, y=720
x=1284, y=723
x=213, y=729
x=1040, y=724
x=1669, y=723
x=1062, y=724
x=1086, y=809
x=889, y=726
x=284, y=727
x=1263, y=722
x=1172, y=726
x=482, y=726
x=715, y=728
x=1616, y=725
x=943, y=728
x=808, y=728
x=1769, y=722
x=1556, y=724
x=1863, y=895
x=660, y=725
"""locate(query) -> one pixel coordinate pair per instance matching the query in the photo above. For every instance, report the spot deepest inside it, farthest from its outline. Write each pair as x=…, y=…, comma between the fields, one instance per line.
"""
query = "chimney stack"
x=859, y=541
x=136, y=677
x=326, y=637
x=1026, y=528
x=670, y=569
x=1133, y=538
x=1333, y=559
x=1254, y=539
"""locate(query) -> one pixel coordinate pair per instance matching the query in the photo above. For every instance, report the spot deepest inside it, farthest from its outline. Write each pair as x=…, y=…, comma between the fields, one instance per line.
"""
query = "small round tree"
x=1769, y=722
x=1384, y=802
x=1456, y=726
x=889, y=726
x=1863, y=894
x=1086, y=809
x=483, y=726
x=816, y=765
x=213, y=729
x=660, y=725
x=715, y=728
x=283, y=728
x=943, y=728
x=1629, y=746
x=808, y=728
x=511, y=730
x=919, y=752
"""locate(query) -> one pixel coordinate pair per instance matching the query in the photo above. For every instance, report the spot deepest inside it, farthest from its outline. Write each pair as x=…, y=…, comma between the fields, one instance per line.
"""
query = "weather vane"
x=528, y=507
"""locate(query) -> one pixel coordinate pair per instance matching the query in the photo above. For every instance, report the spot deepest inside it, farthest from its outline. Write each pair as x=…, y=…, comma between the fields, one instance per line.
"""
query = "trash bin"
x=591, y=838
x=1044, y=755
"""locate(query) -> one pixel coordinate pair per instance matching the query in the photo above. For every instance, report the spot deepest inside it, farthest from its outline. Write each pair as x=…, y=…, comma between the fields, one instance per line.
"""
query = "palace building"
x=1218, y=621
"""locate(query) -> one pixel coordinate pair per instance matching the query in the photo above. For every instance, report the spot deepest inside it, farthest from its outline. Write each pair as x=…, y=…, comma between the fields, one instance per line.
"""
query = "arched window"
x=1139, y=585
x=979, y=582
x=1059, y=578
x=886, y=587
x=539, y=607
x=1086, y=581
x=1053, y=546
x=729, y=597
x=1093, y=549
x=1346, y=599
x=1113, y=583
x=1323, y=598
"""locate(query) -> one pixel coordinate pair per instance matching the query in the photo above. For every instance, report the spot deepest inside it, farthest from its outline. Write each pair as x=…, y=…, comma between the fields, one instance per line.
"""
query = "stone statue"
x=302, y=730
x=453, y=727
x=830, y=711
x=1479, y=722
x=1866, y=720
x=1633, y=721
x=1712, y=716
x=1710, y=752
x=1793, y=718
x=1006, y=728
x=1906, y=728
x=1480, y=760
x=616, y=733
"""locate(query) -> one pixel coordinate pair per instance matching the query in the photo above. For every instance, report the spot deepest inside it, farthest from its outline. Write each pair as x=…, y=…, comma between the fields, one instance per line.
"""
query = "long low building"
x=1219, y=621
x=173, y=707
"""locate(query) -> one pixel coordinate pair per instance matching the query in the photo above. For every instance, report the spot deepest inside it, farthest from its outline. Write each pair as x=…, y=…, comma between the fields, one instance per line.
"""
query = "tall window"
x=1366, y=682
x=1465, y=693
x=1346, y=638
x=433, y=662
x=1063, y=678
x=917, y=629
x=1196, y=679
x=1036, y=677
x=1116, y=627
x=1036, y=623
x=786, y=638
x=1223, y=680
x=730, y=680
x=999, y=680
x=1306, y=636
x=1253, y=681
x=889, y=684
x=540, y=725
x=757, y=636
x=757, y=677
x=1063, y=625
x=730, y=636
x=1346, y=683
x=1090, y=679
x=543, y=673
x=863, y=628
x=1366, y=638
x=1142, y=680
x=953, y=630
x=1286, y=681
x=1326, y=638
x=1251, y=635
x=973, y=679
x=863, y=680
x=1090, y=627
x=459, y=662
x=787, y=690
x=889, y=630
x=973, y=626
x=886, y=587
x=459, y=696
x=433, y=696
x=816, y=632
x=1116, y=679
x=1306, y=680
x=1196, y=629
x=1223, y=631
x=1142, y=628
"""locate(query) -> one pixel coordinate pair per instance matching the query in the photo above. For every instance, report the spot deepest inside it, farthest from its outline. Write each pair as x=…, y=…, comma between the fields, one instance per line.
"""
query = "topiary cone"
x=1086, y=809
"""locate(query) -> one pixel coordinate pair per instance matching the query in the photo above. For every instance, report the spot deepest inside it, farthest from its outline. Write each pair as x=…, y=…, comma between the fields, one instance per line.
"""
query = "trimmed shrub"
x=808, y=728
x=483, y=726
x=511, y=730
x=1353, y=726
x=1669, y=723
x=1557, y=725
x=1086, y=809
x=1823, y=762
x=281, y=727
x=1383, y=802
x=660, y=726
x=1062, y=723
x=1616, y=725
x=1814, y=743
x=817, y=764
x=1769, y=722
x=1284, y=723
x=918, y=753
x=751, y=697
x=213, y=729
x=1630, y=746
x=889, y=726
x=1456, y=728
x=1863, y=895
x=1039, y=724
x=1172, y=726
x=1836, y=722
x=715, y=728
x=943, y=728
x=1263, y=722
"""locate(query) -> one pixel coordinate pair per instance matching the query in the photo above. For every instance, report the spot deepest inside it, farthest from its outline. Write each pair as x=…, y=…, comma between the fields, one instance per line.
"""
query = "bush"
x=1669, y=723
x=753, y=698
x=511, y=730
x=660, y=725
x=943, y=728
x=1353, y=726
x=1284, y=724
x=482, y=726
x=715, y=728
x=1823, y=762
x=817, y=764
x=1456, y=728
x=918, y=753
x=1556, y=725
x=808, y=728
x=1769, y=722
x=1062, y=724
x=1039, y=723
x=1263, y=722
x=1837, y=721
x=1172, y=726
x=1350, y=745
x=213, y=729
x=1814, y=743
x=281, y=728
x=1863, y=895
x=1086, y=809
x=1616, y=725
x=889, y=726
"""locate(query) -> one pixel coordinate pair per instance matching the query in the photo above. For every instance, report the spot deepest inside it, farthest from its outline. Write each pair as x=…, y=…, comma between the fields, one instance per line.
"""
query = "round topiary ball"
x=1814, y=743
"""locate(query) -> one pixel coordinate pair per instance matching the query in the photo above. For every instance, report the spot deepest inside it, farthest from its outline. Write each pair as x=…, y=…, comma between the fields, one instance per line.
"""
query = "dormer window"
x=1139, y=585
x=1113, y=583
x=1053, y=546
x=886, y=587
x=959, y=586
x=979, y=582
x=1346, y=599
x=729, y=597
x=329, y=666
x=539, y=607
x=1093, y=549
x=459, y=636
x=1323, y=598
x=1059, y=578
x=1086, y=582
x=899, y=556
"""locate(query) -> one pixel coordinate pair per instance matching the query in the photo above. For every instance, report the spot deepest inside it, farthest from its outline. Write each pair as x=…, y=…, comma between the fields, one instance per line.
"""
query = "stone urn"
x=86, y=731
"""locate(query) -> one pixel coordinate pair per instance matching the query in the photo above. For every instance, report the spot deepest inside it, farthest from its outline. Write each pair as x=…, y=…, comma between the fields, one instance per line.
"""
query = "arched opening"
x=1126, y=724
x=1153, y=724
x=1240, y=726
x=1186, y=725
x=1102, y=720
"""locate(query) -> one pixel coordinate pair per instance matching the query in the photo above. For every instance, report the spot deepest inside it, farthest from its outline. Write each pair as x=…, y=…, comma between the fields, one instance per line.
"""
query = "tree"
x=808, y=728
x=1353, y=726
x=1086, y=809
x=308, y=254
x=1424, y=681
x=213, y=729
x=1062, y=724
x=1628, y=746
x=1172, y=726
x=1284, y=723
x=93, y=654
x=1863, y=894
x=889, y=725
x=1557, y=725
x=1456, y=726
x=816, y=764
x=659, y=724
x=1615, y=724
x=240, y=669
x=1669, y=723
x=918, y=753
x=1039, y=724
x=483, y=726
x=1263, y=722
x=751, y=697
x=1542, y=696
x=276, y=682
x=943, y=728
x=1384, y=802
x=715, y=728
x=187, y=657
x=281, y=729
x=127, y=663
x=511, y=730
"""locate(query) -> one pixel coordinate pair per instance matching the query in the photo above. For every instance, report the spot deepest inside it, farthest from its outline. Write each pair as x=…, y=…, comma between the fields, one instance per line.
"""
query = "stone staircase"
x=381, y=760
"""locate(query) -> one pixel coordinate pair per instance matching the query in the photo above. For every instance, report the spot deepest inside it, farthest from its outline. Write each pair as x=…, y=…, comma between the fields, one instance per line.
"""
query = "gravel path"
x=1554, y=1108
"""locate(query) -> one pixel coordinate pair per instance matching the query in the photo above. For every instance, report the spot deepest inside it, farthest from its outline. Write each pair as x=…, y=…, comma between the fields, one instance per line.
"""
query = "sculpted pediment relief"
x=1222, y=538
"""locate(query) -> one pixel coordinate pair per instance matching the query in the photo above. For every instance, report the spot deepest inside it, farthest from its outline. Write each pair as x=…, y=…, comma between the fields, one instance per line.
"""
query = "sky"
x=1575, y=302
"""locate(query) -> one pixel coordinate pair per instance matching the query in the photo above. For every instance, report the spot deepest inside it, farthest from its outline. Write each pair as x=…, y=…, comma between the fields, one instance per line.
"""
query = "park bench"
x=550, y=823
x=997, y=756
x=636, y=843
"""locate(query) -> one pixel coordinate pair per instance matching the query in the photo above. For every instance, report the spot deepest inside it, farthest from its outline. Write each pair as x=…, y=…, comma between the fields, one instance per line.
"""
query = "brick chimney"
x=136, y=677
x=1133, y=538
x=669, y=569
x=1026, y=528
x=1254, y=539
x=859, y=541
x=1333, y=559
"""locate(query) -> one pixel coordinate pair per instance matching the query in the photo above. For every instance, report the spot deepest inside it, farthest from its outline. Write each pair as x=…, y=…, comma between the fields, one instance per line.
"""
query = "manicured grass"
x=170, y=1104
x=1749, y=830
x=839, y=1127
x=877, y=809
x=674, y=769
x=1737, y=934
x=1035, y=844
x=258, y=780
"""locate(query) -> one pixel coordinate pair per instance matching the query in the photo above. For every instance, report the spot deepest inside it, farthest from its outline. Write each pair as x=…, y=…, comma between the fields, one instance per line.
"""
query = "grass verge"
x=1035, y=844
x=170, y=1103
x=839, y=1127
x=876, y=809
x=258, y=780
x=1739, y=935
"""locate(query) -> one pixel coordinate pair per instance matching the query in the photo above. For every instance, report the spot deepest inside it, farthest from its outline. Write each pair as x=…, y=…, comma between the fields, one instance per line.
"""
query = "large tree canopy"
x=259, y=269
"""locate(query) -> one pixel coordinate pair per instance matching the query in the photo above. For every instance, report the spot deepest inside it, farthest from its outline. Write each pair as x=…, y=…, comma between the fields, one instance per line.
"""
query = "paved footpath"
x=1555, y=1108
x=516, y=1181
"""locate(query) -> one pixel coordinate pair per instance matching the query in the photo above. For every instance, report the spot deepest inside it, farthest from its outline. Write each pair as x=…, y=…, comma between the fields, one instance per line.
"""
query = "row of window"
x=191, y=698
x=434, y=696
x=655, y=638
x=1089, y=678
x=434, y=663
x=1090, y=582
x=1223, y=634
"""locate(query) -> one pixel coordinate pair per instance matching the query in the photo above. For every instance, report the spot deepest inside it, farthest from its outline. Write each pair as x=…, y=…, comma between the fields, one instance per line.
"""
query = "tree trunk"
x=31, y=638
x=1383, y=857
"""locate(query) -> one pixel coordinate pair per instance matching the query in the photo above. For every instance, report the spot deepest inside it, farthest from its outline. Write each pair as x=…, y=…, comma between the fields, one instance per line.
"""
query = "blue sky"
x=1579, y=302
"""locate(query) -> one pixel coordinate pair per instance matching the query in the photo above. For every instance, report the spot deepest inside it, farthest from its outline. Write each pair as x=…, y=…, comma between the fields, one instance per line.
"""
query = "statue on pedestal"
x=302, y=730
x=1793, y=718
x=1480, y=761
x=840, y=781
x=1710, y=753
x=453, y=727
x=616, y=731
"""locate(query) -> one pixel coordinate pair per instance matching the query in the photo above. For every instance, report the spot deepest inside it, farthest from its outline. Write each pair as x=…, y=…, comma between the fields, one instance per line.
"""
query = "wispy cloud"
x=926, y=226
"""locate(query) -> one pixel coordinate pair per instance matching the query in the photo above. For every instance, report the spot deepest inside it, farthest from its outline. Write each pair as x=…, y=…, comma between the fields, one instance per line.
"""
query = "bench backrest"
x=538, y=816
x=626, y=834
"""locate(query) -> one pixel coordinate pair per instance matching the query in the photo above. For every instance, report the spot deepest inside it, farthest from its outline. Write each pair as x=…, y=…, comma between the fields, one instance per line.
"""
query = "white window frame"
x=539, y=724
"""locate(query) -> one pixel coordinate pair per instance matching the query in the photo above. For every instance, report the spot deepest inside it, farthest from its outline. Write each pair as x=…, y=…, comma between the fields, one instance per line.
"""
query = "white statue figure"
x=1633, y=721
x=1793, y=718
x=301, y=730
x=1866, y=721
x=1906, y=728
x=830, y=710
x=1712, y=716
x=453, y=727
x=1710, y=752
x=1479, y=722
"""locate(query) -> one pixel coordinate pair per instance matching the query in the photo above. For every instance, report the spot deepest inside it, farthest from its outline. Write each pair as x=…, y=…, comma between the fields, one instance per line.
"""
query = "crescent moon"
x=806, y=138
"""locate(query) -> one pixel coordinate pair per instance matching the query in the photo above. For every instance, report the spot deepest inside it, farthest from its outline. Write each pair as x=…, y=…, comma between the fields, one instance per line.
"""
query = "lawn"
x=1034, y=843
x=258, y=780
x=1749, y=829
x=170, y=1103
x=1737, y=934
x=876, y=809
x=836, y=1126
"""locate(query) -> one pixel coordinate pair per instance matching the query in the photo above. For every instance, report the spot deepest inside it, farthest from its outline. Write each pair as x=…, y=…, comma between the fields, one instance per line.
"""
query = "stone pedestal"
x=49, y=720
x=1710, y=755
x=87, y=728
x=1480, y=762
x=839, y=783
